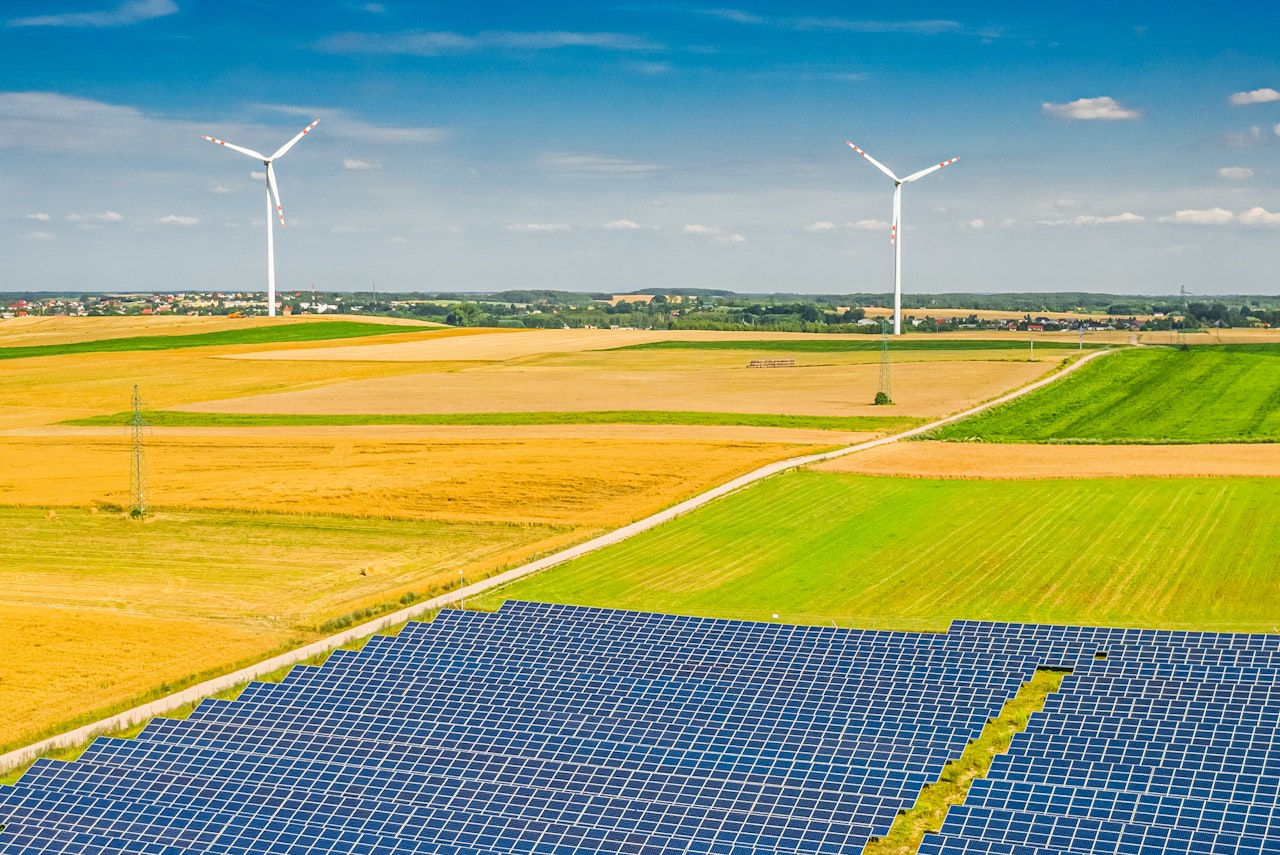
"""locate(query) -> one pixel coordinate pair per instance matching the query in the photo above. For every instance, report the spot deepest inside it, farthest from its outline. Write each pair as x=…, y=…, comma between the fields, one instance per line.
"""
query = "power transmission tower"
x=884, y=395
x=138, y=469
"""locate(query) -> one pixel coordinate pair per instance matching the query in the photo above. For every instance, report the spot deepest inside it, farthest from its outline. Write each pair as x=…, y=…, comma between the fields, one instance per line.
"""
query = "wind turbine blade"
x=878, y=165
x=897, y=214
x=234, y=147
x=290, y=144
x=922, y=173
x=275, y=192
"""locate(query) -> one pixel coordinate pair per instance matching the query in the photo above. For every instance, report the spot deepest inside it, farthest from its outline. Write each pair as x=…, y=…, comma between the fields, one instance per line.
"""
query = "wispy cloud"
x=594, y=164
x=1255, y=96
x=717, y=234
x=104, y=217
x=357, y=164
x=131, y=12
x=37, y=236
x=622, y=226
x=1104, y=108
x=537, y=228
x=1095, y=220
x=178, y=220
x=340, y=124
x=1235, y=173
x=857, y=225
x=437, y=43
x=44, y=218
x=920, y=27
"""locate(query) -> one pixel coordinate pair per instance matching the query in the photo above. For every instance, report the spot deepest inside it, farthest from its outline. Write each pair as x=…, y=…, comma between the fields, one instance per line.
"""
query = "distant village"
x=720, y=310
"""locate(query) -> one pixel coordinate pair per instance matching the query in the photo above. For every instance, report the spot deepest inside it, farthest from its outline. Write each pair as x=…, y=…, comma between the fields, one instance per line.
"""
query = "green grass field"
x=174, y=418
x=844, y=345
x=914, y=554
x=252, y=335
x=1228, y=393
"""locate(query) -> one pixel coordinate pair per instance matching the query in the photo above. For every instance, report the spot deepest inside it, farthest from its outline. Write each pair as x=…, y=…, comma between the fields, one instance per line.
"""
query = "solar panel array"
x=1169, y=744
x=551, y=730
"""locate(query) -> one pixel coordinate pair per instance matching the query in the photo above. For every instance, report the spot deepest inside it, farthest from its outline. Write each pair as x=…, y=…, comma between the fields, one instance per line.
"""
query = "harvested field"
x=817, y=547
x=50, y=389
x=388, y=472
x=99, y=609
x=920, y=389
x=1010, y=461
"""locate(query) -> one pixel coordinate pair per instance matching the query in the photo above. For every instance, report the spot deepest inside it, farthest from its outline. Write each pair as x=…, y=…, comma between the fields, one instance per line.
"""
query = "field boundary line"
x=160, y=706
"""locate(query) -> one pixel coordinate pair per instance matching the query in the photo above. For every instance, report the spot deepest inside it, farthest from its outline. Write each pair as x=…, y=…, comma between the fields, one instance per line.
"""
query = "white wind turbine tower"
x=272, y=190
x=895, y=231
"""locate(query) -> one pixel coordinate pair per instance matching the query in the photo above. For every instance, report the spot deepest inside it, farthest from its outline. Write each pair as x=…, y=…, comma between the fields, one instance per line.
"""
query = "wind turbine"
x=272, y=190
x=895, y=233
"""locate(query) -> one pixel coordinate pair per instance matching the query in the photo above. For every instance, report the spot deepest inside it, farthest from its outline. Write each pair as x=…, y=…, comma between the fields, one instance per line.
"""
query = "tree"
x=464, y=315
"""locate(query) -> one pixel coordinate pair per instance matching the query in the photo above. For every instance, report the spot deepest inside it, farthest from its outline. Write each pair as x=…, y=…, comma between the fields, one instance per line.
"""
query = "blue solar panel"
x=557, y=729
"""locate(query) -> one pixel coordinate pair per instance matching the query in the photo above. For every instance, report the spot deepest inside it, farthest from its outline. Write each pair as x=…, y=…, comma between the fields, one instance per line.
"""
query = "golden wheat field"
x=403, y=473
x=99, y=609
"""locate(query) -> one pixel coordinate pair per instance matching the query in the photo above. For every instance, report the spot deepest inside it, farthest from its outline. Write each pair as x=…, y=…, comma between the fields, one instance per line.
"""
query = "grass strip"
x=952, y=786
x=252, y=335
x=844, y=345
x=174, y=418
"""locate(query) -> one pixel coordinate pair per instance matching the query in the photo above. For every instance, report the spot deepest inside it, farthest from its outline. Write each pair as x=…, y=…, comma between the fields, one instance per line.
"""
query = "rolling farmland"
x=914, y=553
x=1228, y=393
x=305, y=479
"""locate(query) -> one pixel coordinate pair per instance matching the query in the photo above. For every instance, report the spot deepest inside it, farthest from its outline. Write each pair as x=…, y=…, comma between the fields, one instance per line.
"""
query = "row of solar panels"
x=543, y=730
x=556, y=730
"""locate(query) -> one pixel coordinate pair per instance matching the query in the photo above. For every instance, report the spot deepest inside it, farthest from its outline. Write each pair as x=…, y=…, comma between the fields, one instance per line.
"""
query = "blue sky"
x=624, y=146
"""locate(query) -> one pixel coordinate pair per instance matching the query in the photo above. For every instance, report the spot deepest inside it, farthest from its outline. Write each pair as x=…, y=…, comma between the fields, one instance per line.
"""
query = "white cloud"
x=429, y=43
x=131, y=12
x=104, y=217
x=736, y=238
x=695, y=229
x=976, y=224
x=178, y=220
x=1235, y=173
x=537, y=228
x=1204, y=217
x=1276, y=129
x=44, y=218
x=1105, y=108
x=219, y=189
x=595, y=164
x=1094, y=220
x=354, y=163
x=1255, y=96
x=859, y=225
x=258, y=176
x=622, y=226
x=37, y=236
x=1260, y=217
